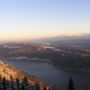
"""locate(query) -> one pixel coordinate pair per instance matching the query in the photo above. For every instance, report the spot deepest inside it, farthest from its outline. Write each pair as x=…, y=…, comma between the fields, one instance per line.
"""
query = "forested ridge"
x=12, y=79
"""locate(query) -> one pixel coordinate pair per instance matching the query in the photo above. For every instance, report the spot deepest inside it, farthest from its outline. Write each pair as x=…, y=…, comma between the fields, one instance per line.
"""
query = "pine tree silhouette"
x=25, y=84
x=4, y=84
x=0, y=83
x=22, y=87
x=17, y=84
x=37, y=86
x=12, y=83
x=70, y=85
x=45, y=87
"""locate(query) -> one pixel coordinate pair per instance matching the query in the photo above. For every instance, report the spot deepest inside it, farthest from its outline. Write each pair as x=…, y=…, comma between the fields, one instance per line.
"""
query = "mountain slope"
x=9, y=71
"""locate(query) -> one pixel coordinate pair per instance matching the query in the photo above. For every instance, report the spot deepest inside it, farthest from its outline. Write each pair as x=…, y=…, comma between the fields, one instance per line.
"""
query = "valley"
x=52, y=64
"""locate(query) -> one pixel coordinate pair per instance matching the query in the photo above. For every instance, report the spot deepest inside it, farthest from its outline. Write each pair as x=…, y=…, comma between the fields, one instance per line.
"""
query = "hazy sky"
x=28, y=19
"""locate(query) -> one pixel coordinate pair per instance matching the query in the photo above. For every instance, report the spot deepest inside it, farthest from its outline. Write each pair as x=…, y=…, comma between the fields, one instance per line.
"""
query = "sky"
x=32, y=19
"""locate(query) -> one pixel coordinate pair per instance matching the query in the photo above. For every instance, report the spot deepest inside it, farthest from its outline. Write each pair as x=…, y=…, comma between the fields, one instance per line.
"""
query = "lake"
x=51, y=75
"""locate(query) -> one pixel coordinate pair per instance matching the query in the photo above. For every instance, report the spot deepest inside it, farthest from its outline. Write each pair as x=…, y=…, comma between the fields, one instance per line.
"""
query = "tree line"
x=24, y=84
x=17, y=84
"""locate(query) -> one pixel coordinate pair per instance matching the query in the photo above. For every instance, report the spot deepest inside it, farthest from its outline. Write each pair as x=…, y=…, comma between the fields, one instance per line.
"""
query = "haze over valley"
x=44, y=44
x=59, y=56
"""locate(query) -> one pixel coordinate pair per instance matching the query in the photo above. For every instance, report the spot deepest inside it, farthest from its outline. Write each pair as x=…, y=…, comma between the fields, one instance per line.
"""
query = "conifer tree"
x=37, y=86
x=70, y=85
x=8, y=84
x=45, y=87
x=86, y=87
x=0, y=83
x=25, y=84
x=4, y=83
x=12, y=83
x=22, y=87
x=17, y=84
